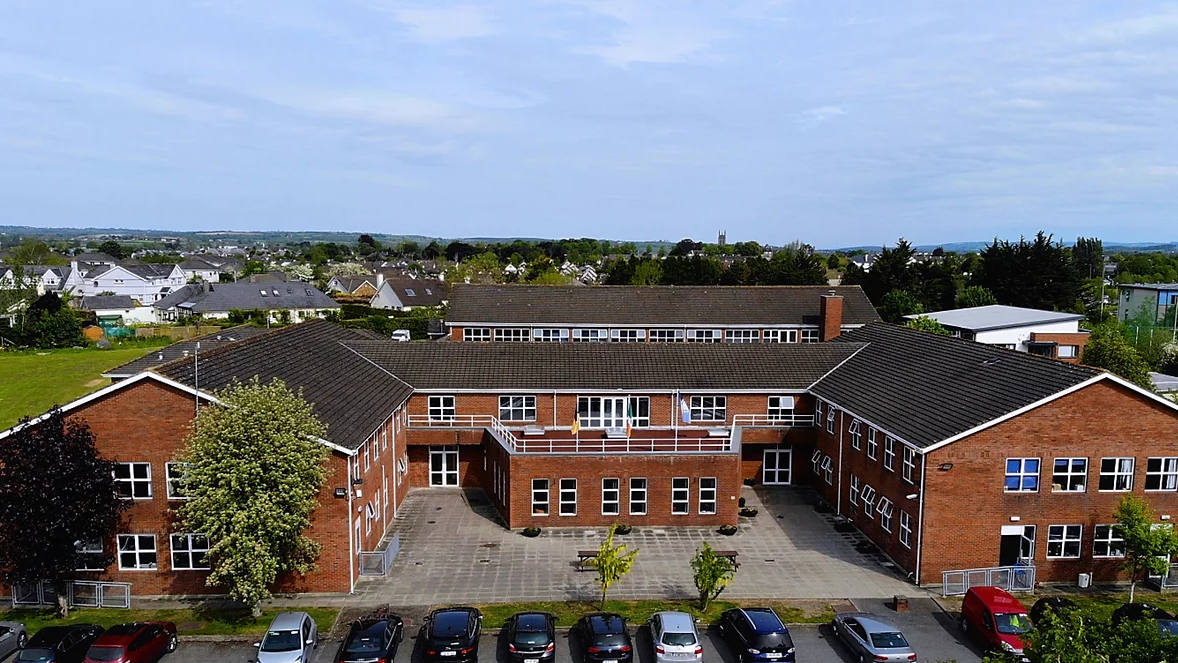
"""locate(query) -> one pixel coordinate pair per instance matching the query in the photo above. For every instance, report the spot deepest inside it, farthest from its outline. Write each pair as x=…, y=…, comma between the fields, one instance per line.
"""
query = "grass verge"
x=637, y=612
x=189, y=621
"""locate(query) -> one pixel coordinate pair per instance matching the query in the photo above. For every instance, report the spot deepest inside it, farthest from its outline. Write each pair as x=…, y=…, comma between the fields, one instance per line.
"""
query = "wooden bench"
x=585, y=556
x=731, y=555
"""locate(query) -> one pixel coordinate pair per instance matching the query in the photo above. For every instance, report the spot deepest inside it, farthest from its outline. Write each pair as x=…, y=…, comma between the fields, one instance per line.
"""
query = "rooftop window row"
x=604, y=334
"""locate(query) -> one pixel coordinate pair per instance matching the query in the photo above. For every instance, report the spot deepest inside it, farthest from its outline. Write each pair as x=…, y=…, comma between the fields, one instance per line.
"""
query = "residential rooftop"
x=209, y=297
x=996, y=316
x=183, y=349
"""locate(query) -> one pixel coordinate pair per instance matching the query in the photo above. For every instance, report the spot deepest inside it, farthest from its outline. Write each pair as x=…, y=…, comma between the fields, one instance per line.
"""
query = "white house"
x=1048, y=333
x=118, y=307
x=196, y=267
x=146, y=284
x=217, y=300
x=405, y=294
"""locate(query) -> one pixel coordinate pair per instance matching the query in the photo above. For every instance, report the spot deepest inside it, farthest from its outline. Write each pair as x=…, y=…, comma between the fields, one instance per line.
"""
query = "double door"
x=443, y=466
x=777, y=467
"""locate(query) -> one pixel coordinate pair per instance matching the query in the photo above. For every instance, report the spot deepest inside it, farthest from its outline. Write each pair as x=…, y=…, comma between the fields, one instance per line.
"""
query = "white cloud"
x=1143, y=27
x=651, y=32
x=1019, y=103
x=374, y=106
x=434, y=24
x=822, y=113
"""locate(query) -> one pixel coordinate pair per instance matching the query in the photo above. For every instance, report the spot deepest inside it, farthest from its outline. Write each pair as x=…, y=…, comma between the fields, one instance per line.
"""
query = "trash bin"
x=1085, y=580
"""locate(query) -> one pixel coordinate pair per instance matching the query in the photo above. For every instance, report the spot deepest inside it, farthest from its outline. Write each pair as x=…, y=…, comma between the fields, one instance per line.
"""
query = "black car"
x=756, y=635
x=1132, y=612
x=372, y=639
x=531, y=637
x=604, y=639
x=59, y=644
x=451, y=635
x=1054, y=604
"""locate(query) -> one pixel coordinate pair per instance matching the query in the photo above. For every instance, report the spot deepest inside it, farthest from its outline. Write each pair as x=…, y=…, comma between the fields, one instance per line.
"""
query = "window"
x=885, y=514
x=868, y=496
x=189, y=551
x=568, y=497
x=590, y=335
x=889, y=453
x=780, y=335
x=909, y=468
x=627, y=335
x=367, y=457
x=441, y=408
x=781, y=408
x=709, y=408
x=137, y=552
x=816, y=461
x=611, y=497
x=512, y=335
x=666, y=336
x=742, y=336
x=1068, y=352
x=1022, y=474
x=707, y=495
x=550, y=335
x=1063, y=541
x=1106, y=542
x=1116, y=474
x=410, y=293
x=1069, y=475
x=539, y=497
x=175, y=472
x=517, y=408
x=638, y=496
x=854, y=490
x=906, y=529
x=91, y=557
x=704, y=335
x=133, y=480
x=1161, y=473
x=476, y=334
x=828, y=470
x=872, y=444
x=611, y=412
x=830, y=419
x=809, y=336
x=680, y=496
x=818, y=412
x=856, y=435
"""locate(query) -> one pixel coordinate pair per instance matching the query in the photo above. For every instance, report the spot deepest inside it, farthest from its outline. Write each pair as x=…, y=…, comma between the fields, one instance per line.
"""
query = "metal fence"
x=1009, y=578
x=377, y=563
x=79, y=593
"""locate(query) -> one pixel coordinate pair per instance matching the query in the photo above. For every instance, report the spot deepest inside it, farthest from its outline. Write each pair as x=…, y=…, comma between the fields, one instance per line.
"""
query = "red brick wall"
x=1079, y=339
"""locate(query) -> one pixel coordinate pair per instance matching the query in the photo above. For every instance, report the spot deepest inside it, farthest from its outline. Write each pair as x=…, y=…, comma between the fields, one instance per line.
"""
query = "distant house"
x=145, y=284
x=1046, y=333
x=216, y=300
x=406, y=294
x=863, y=262
x=117, y=309
x=269, y=277
x=96, y=259
x=197, y=267
x=1152, y=298
x=362, y=285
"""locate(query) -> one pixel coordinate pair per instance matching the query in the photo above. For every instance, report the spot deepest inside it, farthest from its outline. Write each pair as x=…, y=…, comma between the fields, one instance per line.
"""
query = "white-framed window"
x=175, y=475
x=91, y=557
x=568, y=497
x=442, y=408
x=539, y=497
x=612, y=411
x=816, y=461
x=704, y=335
x=364, y=451
x=808, y=336
x=780, y=335
x=830, y=414
x=476, y=334
x=707, y=495
x=1068, y=351
x=611, y=497
x=384, y=438
x=638, y=496
x=680, y=496
x=868, y=497
x=1069, y=475
x=709, y=408
x=1063, y=541
x=133, y=480
x=189, y=552
x=1161, y=474
x=885, y=514
x=1116, y=474
x=854, y=495
x=517, y=408
x=889, y=453
x=590, y=335
x=1022, y=475
x=905, y=529
x=550, y=335
x=872, y=444
x=818, y=411
x=512, y=334
x=828, y=470
x=666, y=336
x=627, y=335
x=781, y=408
x=137, y=552
x=742, y=336
x=1106, y=542
x=909, y=467
x=856, y=435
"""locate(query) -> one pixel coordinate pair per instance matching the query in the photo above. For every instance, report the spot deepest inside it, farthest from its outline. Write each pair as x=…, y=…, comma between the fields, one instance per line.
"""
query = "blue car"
x=757, y=635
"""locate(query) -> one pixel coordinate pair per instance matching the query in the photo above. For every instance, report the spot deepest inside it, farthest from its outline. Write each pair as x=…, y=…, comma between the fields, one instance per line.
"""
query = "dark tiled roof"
x=182, y=349
x=425, y=293
x=666, y=305
x=349, y=394
x=106, y=301
x=246, y=296
x=350, y=283
x=150, y=270
x=547, y=366
x=195, y=263
x=926, y=388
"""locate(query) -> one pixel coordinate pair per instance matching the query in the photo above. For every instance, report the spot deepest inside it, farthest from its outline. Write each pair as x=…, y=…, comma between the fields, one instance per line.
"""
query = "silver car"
x=872, y=638
x=675, y=639
x=13, y=636
x=291, y=638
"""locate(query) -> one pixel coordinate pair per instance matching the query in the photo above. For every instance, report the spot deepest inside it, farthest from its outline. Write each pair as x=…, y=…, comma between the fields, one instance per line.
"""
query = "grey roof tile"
x=182, y=349
x=246, y=296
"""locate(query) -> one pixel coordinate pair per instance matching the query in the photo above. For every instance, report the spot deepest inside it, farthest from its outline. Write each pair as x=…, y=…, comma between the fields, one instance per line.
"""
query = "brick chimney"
x=830, y=316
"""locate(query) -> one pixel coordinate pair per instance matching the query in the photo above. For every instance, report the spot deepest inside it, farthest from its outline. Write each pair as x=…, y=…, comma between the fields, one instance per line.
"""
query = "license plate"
x=772, y=654
x=449, y=653
x=531, y=660
x=612, y=660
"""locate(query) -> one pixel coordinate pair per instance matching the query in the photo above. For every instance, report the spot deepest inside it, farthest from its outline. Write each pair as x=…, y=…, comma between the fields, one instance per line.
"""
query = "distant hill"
x=967, y=247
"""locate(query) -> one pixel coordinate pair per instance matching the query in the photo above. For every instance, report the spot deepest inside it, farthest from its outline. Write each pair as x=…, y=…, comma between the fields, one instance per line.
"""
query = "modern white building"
x=1047, y=333
x=146, y=284
x=1150, y=298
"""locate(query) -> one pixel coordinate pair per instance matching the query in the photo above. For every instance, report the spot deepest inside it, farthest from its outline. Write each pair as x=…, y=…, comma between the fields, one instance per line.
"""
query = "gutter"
x=920, y=517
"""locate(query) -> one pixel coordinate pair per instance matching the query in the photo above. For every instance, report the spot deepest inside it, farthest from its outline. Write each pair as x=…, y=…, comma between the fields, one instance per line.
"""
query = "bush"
x=623, y=529
x=750, y=481
x=727, y=530
x=531, y=532
x=748, y=513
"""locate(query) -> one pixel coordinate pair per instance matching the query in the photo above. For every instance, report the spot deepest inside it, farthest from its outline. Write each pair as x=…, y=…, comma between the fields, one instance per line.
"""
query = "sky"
x=837, y=122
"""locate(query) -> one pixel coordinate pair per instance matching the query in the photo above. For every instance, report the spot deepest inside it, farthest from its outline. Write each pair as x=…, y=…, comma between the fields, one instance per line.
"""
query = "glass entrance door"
x=777, y=467
x=443, y=466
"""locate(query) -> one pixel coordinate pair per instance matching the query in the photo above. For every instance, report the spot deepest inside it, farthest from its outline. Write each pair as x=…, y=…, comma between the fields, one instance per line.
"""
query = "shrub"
x=748, y=513
x=727, y=530
x=623, y=529
x=531, y=532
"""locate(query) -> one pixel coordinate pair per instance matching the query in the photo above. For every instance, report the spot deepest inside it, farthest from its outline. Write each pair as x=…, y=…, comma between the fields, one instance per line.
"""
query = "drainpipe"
x=392, y=424
x=351, y=532
x=554, y=414
x=839, y=483
x=920, y=517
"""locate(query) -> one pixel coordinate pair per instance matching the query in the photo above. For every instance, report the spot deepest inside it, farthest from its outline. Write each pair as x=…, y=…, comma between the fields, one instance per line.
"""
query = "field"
x=32, y=382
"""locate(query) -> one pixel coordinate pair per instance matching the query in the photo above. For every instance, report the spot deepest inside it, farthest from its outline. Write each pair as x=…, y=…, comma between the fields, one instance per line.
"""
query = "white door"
x=777, y=467
x=443, y=466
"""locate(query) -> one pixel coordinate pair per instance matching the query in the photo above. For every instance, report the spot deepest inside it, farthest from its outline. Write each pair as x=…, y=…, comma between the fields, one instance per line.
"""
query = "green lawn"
x=637, y=612
x=34, y=381
x=196, y=621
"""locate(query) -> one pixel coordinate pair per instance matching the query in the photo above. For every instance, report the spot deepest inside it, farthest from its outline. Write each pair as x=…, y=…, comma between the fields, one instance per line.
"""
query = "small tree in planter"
x=623, y=529
x=613, y=562
x=712, y=574
x=531, y=532
x=727, y=530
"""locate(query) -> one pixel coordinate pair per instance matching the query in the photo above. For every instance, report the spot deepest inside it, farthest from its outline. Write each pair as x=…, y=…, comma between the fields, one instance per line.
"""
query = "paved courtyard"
x=454, y=548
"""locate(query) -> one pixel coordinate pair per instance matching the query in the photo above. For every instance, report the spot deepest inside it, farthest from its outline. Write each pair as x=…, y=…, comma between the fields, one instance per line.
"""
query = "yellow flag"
x=576, y=426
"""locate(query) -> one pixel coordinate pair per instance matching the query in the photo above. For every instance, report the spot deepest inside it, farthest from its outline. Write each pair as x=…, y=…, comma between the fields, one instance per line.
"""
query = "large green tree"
x=254, y=469
x=1088, y=257
x=1108, y=349
x=1148, y=544
x=1035, y=274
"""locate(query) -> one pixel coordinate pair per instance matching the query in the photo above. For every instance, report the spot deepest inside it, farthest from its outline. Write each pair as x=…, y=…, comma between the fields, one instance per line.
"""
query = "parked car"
x=603, y=638
x=372, y=639
x=872, y=638
x=531, y=637
x=674, y=638
x=136, y=642
x=995, y=619
x=452, y=635
x=291, y=638
x=59, y=644
x=13, y=636
x=1053, y=604
x=756, y=635
x=1132, y=612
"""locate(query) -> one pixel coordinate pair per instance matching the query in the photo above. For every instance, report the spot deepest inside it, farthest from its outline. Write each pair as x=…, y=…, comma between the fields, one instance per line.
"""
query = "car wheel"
x=22, y=640
x=964, y=625
x=173, y=642
x=862, y=658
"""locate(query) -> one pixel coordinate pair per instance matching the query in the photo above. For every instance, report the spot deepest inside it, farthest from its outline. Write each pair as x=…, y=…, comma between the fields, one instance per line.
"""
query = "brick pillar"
x=831, y=317
x=456, y=333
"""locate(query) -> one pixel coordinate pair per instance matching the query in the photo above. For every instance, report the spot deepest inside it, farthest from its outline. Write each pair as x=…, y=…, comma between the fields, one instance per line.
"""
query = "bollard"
x=900, y=602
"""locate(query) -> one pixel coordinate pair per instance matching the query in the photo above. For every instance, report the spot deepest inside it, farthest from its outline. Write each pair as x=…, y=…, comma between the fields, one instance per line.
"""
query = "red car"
x=137, y=642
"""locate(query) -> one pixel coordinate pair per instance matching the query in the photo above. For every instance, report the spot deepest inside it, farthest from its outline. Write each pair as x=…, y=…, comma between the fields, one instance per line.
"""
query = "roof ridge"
x=218, y=351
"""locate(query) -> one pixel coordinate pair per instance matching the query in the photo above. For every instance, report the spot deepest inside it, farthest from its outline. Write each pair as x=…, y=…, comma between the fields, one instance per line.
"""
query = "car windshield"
x=893, y=640
x=771, y=640
x=531, y=637
x=1168, y=627
x=364, y=643
x=282, y=641
x=679, y=639
x=105, y=653
x=450, y=624
x=1012, y=623
x=35, y=655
